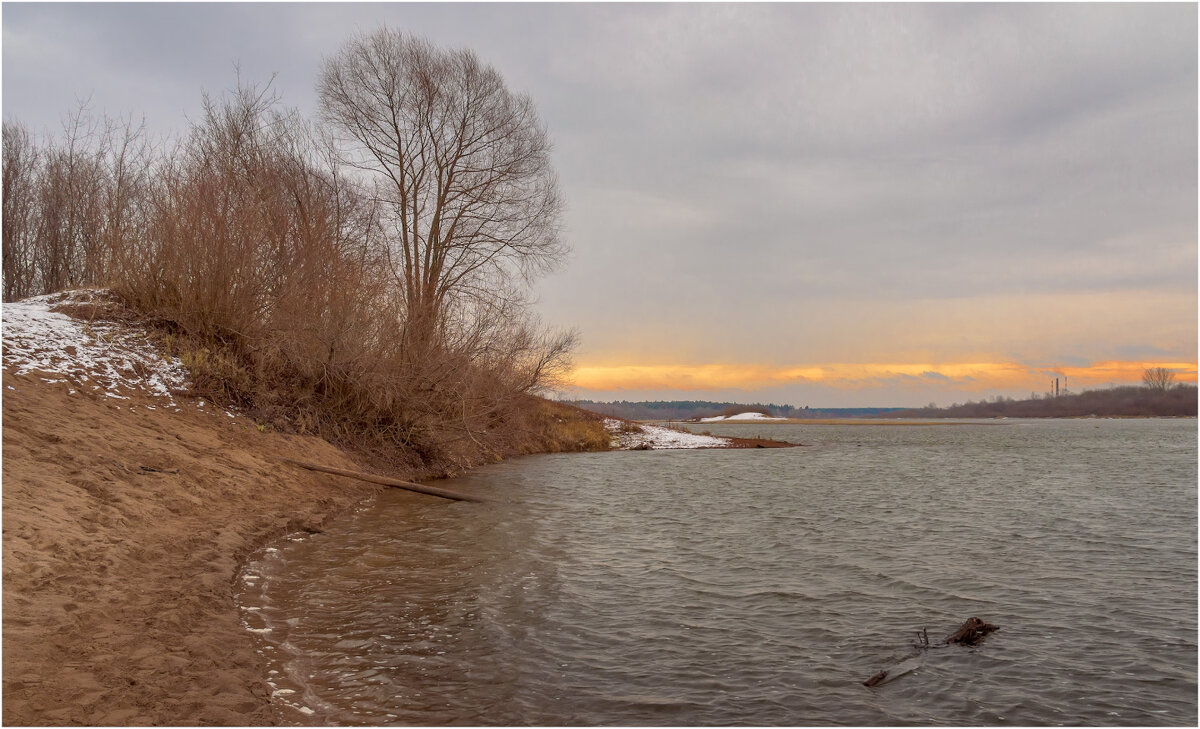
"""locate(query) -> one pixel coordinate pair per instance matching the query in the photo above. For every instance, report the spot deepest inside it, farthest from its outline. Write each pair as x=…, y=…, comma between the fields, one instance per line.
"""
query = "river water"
x=760, y=587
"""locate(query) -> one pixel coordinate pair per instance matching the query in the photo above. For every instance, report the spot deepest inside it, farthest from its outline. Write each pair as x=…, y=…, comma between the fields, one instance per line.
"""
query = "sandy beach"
x=128, y=511
x=123, y=531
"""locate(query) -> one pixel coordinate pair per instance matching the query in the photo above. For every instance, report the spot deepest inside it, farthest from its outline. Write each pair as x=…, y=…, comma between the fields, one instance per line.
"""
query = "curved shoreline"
x=124, y=531
x=126, y=526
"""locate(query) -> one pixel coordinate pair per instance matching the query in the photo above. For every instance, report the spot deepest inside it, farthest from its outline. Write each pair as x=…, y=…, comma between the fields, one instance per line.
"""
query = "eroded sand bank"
x=123, y=531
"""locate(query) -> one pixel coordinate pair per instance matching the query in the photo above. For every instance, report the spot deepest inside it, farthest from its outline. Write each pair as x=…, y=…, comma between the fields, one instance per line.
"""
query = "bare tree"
x=1158, y=378
x=71, y=205
x=22, y=163
x=127, y=159
x=71, y=193
x=366, y=279
x=460, y=167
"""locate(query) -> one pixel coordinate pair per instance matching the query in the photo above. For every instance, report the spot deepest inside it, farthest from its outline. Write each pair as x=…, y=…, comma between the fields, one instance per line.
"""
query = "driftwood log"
x=970, y=632
x=896, y=671
x=393, y=482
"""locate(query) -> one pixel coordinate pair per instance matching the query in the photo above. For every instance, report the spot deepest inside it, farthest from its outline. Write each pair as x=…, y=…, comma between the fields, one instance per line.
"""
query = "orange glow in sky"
x=975, y=376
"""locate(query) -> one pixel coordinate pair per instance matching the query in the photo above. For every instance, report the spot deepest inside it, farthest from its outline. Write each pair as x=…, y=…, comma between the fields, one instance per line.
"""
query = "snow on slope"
x=743, y=416
x=98, y=356
x=656, y=437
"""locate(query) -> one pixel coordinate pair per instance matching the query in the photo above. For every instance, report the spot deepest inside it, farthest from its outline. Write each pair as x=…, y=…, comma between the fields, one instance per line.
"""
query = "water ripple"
x=752, y=588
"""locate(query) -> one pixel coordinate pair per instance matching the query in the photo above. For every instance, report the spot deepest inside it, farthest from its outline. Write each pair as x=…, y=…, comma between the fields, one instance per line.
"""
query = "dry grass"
x=263, y=268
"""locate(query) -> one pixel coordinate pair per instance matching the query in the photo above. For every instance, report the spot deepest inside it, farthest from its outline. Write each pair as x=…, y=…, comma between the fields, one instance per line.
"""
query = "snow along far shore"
x=658, y=438
x=743, y=416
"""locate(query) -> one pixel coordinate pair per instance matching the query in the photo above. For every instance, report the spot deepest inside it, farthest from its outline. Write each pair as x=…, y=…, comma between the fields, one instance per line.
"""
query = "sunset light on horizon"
x=814, y=204
x=590, y=364
x=975, y=377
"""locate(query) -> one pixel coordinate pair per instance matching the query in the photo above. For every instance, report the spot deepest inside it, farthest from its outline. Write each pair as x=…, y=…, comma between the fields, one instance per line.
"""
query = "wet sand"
x=123, y=532
x=125, y=524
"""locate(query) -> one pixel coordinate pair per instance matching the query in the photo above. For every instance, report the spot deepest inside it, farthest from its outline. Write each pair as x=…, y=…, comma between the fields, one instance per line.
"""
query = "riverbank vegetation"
x=1146, y=401
x=362, y=276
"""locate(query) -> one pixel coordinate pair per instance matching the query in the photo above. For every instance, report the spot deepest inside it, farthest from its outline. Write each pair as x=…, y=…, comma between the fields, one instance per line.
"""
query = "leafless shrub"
x=21, y=171
x=390, y=319
x=71, y=204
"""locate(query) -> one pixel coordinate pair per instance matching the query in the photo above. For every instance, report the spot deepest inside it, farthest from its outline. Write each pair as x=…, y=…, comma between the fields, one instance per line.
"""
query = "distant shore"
x=1167, y=401
x=914, y=421
x=637, y=435
x=819, y=421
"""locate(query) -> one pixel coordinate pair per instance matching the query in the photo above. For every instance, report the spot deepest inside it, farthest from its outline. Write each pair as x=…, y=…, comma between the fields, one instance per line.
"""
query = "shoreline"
x=127, y=520
x=125, y=529
x=638, y=435
x=957, y=420
x=126, y=526
x=829, y=421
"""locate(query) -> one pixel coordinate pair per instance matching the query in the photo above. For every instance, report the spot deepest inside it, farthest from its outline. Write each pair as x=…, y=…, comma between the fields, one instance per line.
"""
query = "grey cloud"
x=790, y=153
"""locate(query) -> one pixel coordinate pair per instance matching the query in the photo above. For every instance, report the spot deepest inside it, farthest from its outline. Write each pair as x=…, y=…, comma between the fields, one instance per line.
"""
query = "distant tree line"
x=1129, y=401
x=691, y=409
x=683, y=409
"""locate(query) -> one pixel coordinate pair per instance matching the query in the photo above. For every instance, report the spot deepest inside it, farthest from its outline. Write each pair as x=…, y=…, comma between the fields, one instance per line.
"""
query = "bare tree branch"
x=464, y=165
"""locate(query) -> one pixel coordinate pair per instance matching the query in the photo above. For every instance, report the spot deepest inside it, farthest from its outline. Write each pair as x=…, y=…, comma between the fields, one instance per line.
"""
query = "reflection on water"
x=760, y=587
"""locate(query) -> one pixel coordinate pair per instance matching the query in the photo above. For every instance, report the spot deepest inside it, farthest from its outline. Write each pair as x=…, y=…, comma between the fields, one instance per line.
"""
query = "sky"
x=832, y=205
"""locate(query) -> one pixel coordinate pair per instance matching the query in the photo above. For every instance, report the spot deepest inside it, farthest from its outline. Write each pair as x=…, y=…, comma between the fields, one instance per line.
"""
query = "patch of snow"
x=120, y=358
x=656, y=437
x=742, y=416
